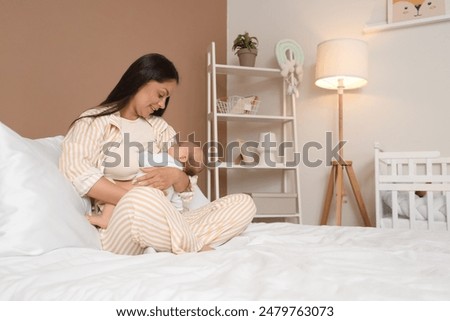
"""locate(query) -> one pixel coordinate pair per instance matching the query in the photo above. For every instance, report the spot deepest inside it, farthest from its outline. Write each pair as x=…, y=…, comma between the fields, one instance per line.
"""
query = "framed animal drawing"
x=403, y=10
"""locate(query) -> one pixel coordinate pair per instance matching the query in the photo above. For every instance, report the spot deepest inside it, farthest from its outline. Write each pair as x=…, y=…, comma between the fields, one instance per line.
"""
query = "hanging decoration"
x=290, y=58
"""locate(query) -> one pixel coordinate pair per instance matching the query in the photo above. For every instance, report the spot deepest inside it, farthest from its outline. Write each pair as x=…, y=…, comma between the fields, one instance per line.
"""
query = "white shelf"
x=247, y=167
x=248, y=71
x=251, y=118
x=283, y=120
x=405, y=24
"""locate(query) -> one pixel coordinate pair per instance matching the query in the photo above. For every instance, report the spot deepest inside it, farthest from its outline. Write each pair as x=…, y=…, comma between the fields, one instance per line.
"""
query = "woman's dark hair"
x=149, y=67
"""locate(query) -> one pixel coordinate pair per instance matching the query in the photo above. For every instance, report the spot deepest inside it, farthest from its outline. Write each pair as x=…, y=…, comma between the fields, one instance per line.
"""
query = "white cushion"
x=49, y=148
x=39, y=209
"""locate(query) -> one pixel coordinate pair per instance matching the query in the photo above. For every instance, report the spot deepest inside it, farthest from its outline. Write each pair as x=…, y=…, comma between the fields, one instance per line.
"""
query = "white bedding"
x=421, y=203
x=278, y=261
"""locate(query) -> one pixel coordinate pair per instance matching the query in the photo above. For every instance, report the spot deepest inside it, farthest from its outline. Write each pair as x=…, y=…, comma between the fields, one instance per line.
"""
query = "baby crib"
x=412, y=190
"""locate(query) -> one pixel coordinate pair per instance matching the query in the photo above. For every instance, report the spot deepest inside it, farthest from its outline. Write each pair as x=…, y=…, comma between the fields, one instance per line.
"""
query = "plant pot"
x=247, y=57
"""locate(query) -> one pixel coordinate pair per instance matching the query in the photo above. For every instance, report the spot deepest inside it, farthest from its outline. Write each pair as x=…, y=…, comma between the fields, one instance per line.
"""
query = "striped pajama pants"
x=144, y=218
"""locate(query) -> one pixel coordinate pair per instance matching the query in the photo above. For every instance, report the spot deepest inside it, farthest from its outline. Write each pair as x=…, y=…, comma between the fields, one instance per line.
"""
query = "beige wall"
x=59, y=57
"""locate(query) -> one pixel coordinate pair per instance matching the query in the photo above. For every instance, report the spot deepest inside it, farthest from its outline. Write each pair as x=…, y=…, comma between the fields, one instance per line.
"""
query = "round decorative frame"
x=290, y=57
x=282, y=51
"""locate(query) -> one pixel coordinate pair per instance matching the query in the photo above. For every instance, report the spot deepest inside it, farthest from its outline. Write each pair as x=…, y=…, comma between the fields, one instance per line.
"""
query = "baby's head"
x=190, y=155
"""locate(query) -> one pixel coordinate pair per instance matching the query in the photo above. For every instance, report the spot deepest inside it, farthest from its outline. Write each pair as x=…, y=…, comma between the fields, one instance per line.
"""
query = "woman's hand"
x=163, y=177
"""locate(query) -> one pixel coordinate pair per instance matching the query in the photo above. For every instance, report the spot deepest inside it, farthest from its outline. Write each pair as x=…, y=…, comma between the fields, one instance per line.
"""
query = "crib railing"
x=411, y=172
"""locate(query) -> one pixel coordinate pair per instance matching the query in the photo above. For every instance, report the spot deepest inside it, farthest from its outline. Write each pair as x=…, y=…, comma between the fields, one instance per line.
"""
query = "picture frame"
x=409, y=10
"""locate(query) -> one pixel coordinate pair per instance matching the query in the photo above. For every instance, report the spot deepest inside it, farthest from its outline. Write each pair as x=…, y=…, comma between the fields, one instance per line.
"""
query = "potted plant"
x=246, y=47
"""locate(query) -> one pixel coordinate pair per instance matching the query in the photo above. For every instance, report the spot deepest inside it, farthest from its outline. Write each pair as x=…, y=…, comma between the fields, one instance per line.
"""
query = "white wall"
x=405, y=105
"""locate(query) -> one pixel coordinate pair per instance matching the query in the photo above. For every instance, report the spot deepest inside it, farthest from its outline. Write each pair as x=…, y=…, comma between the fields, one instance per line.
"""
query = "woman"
x=104, y=143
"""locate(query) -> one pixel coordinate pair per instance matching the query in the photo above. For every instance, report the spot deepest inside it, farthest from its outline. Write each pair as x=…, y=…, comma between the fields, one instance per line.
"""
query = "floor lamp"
x=342, y=65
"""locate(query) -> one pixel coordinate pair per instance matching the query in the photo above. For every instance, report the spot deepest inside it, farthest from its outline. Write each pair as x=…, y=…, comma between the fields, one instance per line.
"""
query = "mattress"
x=276, y=261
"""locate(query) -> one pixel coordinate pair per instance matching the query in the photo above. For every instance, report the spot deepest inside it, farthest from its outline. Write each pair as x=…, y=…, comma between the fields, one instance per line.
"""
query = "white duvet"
x=278, y=261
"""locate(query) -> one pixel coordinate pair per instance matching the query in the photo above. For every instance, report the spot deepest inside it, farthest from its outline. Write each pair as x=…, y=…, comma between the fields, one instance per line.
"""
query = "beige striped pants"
x=144, y=218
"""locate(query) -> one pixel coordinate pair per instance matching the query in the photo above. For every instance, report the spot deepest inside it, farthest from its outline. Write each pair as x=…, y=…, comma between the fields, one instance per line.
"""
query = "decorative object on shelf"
x=342, y=64
x=267, y=153
x=248, y=154
x=246, y=48
x=290, y=58
x=401, y=10
x=238, y=105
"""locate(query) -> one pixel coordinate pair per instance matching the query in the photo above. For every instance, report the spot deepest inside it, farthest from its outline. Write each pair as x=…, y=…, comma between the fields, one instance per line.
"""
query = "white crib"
x=398, y=176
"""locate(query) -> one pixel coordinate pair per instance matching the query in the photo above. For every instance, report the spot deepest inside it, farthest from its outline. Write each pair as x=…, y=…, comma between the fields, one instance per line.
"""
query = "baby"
x=185, y=155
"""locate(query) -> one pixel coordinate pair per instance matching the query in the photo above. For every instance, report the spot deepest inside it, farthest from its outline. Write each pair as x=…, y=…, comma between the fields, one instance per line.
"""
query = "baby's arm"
x=186, y=197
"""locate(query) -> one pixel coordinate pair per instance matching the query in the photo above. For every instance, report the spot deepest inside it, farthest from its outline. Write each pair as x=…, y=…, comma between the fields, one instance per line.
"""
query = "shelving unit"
x=405, y=24
x=288, y=195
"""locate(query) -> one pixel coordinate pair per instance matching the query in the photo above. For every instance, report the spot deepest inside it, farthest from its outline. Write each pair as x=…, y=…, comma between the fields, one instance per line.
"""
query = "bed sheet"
x=276, y=261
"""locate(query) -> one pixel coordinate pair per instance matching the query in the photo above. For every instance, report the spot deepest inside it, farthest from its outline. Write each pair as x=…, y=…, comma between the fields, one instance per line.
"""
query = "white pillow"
x=49, y=147
x=39, y=209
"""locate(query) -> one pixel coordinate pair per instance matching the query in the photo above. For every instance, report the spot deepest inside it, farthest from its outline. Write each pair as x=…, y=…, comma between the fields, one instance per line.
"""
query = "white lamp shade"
x=342, y=63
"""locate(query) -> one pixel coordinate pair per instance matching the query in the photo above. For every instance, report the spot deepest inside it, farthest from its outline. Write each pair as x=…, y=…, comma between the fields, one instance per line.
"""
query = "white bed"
x=277, y=261
x=48, y=251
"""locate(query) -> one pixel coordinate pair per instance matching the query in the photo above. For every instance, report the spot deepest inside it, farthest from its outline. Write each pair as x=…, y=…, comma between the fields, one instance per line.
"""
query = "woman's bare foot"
x=206, y=248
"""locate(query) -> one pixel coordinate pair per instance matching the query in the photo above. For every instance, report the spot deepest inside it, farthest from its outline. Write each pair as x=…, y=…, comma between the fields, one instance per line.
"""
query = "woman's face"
x=151, y=97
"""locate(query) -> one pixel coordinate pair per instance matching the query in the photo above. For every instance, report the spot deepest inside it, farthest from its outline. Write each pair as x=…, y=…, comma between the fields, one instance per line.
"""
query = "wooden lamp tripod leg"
x=339, y=193
x=358, y=195
x=329, y=196
x=336, y=178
